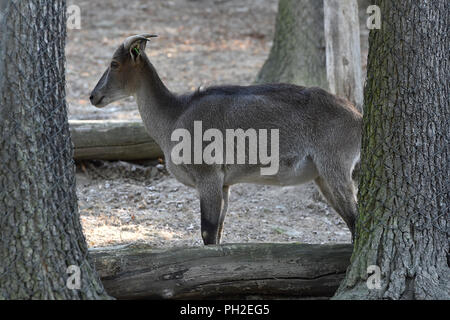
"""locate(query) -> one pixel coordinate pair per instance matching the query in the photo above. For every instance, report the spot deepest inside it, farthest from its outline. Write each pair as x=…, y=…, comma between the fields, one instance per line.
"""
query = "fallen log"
x=112, y=140
x=230, y=271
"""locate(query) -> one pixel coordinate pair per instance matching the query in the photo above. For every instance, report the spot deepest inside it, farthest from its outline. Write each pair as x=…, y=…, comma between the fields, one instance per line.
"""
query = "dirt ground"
x=201, y=42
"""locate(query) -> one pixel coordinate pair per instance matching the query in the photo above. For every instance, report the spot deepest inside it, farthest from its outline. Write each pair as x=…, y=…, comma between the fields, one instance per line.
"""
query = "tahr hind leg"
x=338, y=189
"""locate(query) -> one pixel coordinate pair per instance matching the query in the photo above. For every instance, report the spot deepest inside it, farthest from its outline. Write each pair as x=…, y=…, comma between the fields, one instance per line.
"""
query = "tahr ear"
x=136, y=44
x=136, y=49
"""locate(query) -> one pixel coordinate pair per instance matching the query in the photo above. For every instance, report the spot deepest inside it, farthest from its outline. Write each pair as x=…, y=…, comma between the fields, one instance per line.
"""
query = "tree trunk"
x=40, y=230
x=403, y=227
x=231, y=271
x=298, y=51
x=112, y=140
x=343, y=51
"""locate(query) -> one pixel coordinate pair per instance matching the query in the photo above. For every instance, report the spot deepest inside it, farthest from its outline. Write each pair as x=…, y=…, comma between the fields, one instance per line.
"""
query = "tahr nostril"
x=91, y=97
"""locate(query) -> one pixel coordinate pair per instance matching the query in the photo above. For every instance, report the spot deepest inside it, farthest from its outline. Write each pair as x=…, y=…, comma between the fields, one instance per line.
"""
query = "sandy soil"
x=201, y=42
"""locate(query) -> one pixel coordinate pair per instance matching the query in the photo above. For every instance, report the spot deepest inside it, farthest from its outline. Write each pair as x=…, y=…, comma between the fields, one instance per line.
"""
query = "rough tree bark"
x=343, y=51
x=40, y=231
x=404, y=224
x=298, y=51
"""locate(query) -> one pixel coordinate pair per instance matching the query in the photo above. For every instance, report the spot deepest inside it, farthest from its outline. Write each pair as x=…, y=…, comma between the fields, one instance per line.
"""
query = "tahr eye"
x=114, y=64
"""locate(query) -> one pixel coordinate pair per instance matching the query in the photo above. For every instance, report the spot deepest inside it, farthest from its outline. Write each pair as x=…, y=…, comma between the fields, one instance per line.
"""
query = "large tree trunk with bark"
x=403, y=228
x=298, y=51
x=231, y=271
x=343, y=51
x=40, y=230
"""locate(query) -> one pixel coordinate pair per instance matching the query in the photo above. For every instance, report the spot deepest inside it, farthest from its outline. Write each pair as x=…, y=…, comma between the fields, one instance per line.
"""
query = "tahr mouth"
x=100, y=101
